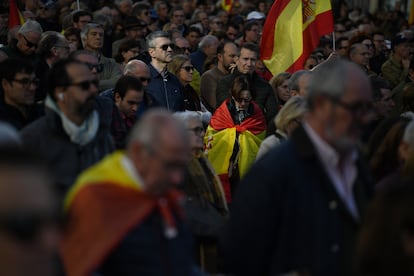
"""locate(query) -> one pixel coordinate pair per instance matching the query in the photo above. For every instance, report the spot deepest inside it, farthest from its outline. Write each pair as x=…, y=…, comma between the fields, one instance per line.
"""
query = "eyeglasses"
x=43, y=8
x=218, y=22
x=357, y=108
x=26, y=82
x=246, y=100
x=85, y=85
x=63, y=47
x=143, y=79
x=369, y=45
x=91, y=66
x=28, y=43
x=166, y=46
x=197, y=130
x=188, y=68
x=26, y=227
x=182, y=49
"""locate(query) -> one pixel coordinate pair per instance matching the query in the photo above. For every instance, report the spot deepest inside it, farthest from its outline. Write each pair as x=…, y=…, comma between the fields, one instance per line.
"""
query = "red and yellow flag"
x=15, y=17
x=292, y=31
x=226, y=5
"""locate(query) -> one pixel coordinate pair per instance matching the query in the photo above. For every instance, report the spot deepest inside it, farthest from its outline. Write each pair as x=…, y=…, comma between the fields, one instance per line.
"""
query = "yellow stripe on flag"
x=288, y=28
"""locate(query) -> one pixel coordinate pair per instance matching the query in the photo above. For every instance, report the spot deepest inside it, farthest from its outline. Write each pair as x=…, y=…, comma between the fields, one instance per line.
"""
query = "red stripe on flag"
x=322, y=25
x=268, y=38
x=14, y=18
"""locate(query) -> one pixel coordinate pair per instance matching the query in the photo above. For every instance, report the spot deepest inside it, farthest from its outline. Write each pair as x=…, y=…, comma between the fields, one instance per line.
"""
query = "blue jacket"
x=167, y=92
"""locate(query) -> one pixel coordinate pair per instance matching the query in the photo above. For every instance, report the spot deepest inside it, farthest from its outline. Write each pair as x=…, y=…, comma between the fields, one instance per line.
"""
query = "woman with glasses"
x=206, y=208
x=181, y=67
x=234, y=135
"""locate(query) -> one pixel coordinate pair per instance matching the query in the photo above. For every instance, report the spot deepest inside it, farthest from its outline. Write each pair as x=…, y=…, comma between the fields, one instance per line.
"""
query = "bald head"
x=138, y=69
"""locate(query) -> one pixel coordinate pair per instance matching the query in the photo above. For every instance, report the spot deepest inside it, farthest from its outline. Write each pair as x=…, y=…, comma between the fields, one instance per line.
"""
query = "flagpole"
x=333, y=41
x=78, y=4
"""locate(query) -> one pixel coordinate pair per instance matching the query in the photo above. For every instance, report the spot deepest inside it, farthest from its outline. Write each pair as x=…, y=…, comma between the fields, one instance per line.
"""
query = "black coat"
x=287, y=216
x=67, y=159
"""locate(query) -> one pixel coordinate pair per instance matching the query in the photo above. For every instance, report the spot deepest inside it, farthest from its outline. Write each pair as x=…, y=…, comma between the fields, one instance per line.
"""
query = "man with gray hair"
x=25, y=45
x=207, y=48
x=298, y=210
x=92, y=36
x=164, y=87
x=298, y=82
x=135, y=225
x=52, y=48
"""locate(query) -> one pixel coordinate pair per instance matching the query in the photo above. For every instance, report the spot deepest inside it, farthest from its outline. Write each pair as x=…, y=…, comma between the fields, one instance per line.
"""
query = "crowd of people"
x=149, y=138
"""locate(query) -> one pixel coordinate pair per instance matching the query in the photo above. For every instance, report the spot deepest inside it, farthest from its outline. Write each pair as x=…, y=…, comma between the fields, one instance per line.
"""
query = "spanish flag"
x=411, y=15
x=292, y=31
x=15, y=17
x=226, y=5
x=105, y=203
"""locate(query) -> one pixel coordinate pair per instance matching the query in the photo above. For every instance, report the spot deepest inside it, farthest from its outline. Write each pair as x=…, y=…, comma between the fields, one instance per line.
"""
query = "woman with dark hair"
x=234, y=135
x=128, y=49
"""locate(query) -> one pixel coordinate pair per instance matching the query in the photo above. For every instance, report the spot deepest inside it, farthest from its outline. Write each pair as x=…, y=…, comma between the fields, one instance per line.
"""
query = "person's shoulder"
x=35, y=130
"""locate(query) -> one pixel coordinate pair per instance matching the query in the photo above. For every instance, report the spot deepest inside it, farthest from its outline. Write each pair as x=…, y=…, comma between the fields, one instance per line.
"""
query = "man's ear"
x=5, y=83
x=117, y=98
x=151, y=52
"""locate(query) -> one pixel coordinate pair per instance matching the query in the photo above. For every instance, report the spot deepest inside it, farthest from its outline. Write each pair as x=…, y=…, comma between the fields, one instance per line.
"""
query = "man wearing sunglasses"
x=28, y=224
x=74, y=133
x=164, y=87
x=26, y=42
x=18, y=84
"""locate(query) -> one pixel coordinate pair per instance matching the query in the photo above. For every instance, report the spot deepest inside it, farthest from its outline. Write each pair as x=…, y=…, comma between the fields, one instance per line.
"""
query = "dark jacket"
x=14, y=117
x=66, y=159
x=262, y=93
x=166, y=91
x=287, y=216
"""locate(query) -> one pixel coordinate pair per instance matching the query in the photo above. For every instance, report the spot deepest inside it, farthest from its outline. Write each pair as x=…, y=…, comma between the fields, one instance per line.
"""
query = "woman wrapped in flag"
x=234, y=135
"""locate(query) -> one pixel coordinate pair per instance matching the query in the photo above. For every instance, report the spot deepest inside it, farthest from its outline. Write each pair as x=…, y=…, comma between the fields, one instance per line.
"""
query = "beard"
x=86, y=109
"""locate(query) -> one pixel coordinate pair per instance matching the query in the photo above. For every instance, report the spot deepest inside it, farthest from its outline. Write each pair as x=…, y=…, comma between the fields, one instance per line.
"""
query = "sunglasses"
x=24, y=226
x=166, y=46
x=85, y=85
x=143, y=79
x=247, y=100
x=182, y=49
x=28, y=43
x=26, y=82
x=91, y=66
x=188, y=68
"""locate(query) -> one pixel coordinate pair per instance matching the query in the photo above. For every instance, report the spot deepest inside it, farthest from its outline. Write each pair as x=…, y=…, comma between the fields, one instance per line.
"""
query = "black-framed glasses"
x=182, y=49
x=29, y=43
x=166, y=46
x=91, y=66
x=218, y=22
x=356, y=108
x=26, y=82
x=25, y=226
x=85, y=85
x=188, y=68
x=66, y=48
x=197, y=130
x=144, y=79
x=245, y=100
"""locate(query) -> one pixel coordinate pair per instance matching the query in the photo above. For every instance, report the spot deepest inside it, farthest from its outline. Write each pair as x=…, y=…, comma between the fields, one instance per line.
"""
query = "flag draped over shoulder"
x=15, y=17
x=292, y=31
x=226, y=5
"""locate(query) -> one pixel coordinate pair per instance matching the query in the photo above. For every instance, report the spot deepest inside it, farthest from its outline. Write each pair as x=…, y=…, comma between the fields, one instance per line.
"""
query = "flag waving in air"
x=292, y=31
x=15, y=17
x=226, y=5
